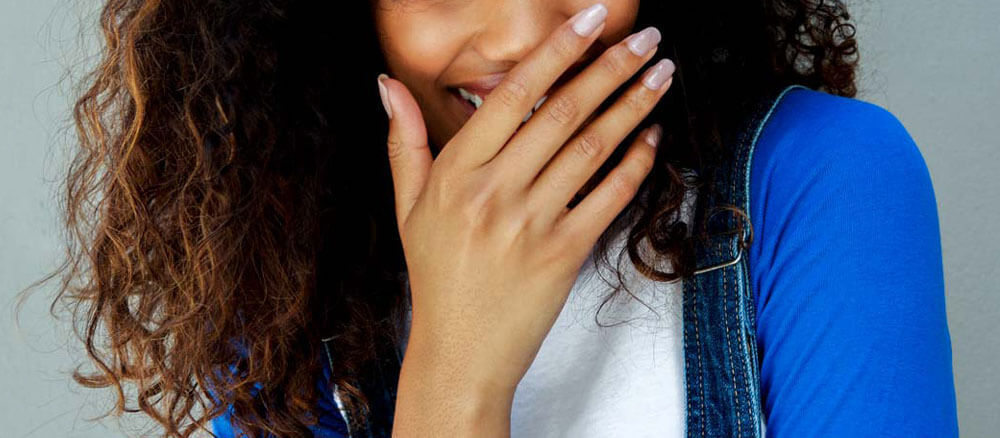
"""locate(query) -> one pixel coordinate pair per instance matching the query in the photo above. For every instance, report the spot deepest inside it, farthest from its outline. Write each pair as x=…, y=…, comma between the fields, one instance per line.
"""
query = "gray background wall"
x=935, y=64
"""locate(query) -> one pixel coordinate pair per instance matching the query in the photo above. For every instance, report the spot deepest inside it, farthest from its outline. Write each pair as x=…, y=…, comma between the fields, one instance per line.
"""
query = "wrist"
x=437, y=396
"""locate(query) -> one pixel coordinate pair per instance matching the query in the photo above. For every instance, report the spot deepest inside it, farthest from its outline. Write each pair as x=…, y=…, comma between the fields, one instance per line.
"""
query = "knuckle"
x=515, y=224
x=588, y=145
x=512, y=91
x=556, y=249
x=471, y=215
x=396, y=149
x=634, y=172
x=644, y=162
x=623, y=184
x=615, y=62
x=565, y=45
x=637, y=103
x=563, y=109
x=484, y=199
x=443, y=163
x=475, y=206
x=440, y=186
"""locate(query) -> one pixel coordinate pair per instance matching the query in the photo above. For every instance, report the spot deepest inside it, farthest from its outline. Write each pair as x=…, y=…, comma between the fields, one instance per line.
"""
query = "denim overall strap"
x=720, y=350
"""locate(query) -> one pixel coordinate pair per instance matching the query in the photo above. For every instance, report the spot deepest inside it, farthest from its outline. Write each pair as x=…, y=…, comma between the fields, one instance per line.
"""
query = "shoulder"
x=820, y=146
x=810, y=127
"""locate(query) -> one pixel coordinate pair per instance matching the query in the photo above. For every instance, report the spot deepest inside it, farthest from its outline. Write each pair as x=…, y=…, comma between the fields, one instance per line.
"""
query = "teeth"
x=540, y=101
x=478, y=102
x=532, y=112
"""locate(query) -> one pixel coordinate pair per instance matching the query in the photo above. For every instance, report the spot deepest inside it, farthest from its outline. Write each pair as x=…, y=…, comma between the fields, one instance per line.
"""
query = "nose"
x=515, y=27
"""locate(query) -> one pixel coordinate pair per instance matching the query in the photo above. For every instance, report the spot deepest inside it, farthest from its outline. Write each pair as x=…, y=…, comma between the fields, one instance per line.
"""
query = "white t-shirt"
x=622, y=379
x=625, y=379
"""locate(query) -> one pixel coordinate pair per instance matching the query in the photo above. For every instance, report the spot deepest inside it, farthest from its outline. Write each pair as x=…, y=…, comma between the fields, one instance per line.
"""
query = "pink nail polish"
x=384, y=93
x=658, y=74
x=588, y=20
x=653, y=135
x=640, y=43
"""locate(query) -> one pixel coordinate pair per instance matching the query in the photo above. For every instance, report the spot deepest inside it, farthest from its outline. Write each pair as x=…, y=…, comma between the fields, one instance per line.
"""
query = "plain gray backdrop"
x=934, y=64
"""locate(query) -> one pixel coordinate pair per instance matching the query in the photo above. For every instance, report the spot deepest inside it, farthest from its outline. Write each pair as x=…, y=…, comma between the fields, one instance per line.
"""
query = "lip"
x=484, y=85
x=467, y=107
x=481, y=86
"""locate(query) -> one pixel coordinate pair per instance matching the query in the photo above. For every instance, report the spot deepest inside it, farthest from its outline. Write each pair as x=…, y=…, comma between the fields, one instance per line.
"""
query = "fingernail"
x=588, y=20
x=658, y=74
x=653, y=135
x=641, y=42
x=384, y=92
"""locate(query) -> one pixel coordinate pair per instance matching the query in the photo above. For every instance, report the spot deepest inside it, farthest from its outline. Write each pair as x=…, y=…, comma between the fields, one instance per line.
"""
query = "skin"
x=492, y=250
x=429, y=44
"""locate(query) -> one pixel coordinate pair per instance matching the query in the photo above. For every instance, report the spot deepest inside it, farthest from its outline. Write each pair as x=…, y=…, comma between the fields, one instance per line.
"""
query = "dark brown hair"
x=230, y=203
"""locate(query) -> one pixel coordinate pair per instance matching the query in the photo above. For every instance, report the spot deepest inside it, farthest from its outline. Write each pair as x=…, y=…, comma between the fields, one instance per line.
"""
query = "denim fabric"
x=720, y=349
x=720, y=352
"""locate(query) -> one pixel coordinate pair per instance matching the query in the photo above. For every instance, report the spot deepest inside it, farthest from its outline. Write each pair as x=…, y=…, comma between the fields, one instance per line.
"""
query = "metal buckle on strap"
x=739, y=255
x=741, y=245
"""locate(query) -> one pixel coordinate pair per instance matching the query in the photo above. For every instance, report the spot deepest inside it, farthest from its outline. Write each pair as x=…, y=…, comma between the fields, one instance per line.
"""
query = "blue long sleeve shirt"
x=847, y=274
x=847, y=269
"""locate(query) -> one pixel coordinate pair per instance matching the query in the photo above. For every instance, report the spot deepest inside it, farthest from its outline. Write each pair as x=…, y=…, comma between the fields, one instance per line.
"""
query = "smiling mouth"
x=473, y=101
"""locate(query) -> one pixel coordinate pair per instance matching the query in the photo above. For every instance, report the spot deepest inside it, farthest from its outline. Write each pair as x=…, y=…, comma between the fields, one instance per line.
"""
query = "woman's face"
x=438, y=46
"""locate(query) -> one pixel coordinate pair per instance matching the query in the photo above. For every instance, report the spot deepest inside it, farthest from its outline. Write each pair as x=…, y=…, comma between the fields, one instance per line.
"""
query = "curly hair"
x=225, y=212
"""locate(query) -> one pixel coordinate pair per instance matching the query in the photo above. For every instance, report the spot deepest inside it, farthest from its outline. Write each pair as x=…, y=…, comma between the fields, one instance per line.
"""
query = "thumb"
x=409, y=154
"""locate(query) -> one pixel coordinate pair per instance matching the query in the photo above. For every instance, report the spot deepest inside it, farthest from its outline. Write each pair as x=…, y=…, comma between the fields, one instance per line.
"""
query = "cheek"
x=416, y=47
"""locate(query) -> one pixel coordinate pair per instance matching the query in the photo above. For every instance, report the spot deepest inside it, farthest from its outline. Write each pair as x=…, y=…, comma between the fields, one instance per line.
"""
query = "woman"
x=261, y=263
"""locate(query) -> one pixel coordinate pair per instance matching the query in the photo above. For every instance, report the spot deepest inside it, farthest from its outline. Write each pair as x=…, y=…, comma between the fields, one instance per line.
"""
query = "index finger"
x=504, y=108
